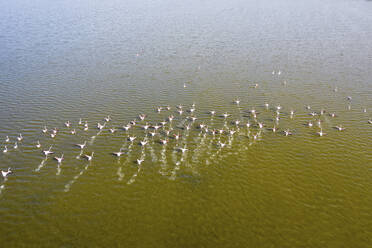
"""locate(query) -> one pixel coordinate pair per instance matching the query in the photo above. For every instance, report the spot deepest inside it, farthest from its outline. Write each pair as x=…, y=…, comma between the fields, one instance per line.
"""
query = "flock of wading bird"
x=165, y=132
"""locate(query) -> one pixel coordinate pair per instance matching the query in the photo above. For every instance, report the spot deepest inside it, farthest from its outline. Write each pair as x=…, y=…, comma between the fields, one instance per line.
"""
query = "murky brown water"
x=65, y=60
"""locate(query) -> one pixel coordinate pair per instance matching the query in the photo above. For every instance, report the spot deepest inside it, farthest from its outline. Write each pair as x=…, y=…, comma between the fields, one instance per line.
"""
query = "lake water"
x=65, y=60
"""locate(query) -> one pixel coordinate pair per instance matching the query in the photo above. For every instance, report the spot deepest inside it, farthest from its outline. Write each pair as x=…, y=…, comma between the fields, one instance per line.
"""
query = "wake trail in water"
x=93, y=138
x=59, y=169
x=152, y=152
x=76, y=177
x=2, y=186
x=119, y=171
x=133, y=178
x=163, y=160
x=80, y=154
x=198, y=150
x=42, y=164
x=177, y=167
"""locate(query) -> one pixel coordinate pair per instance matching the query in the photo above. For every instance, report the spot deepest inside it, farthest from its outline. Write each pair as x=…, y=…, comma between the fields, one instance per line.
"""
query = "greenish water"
x=68, y=60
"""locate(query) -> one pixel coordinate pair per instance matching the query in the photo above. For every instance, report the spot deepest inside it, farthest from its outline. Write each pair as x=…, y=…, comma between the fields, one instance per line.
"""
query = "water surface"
x=88, y=59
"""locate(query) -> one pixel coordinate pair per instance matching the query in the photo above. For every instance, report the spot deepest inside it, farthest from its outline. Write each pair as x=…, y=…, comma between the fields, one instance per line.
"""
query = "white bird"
x=176, y=136
x=67, y=124
x=59, y=159
x=118, y=154
x=73, y=131
x=320, y=133
x=82, y=145
x=20, y=138
x=6, y=173
x=16, y=145
x=132, y=138
x=182, y=149
x=86, y=124
x=7, y=139
x=164, y=141
x=89, y=157
x=332, y=115
x=80, y=122
x=100, y=126
x=55, y=130
x=213, y=112
x=180, y=111
x=222, y=145
x=53, y=135
x=287, y=132
x=274, y=129
x=152, y=133
x=45, y=129
x=156, y=127
x=266, y=105
x=279, y=107
x=38, y=145
x=370, y=121
x=225, y=115
x=260, y=125
x=146, y=126
x=47, y=152
x=107, y=119
x=340, y=128
x=112, y=130
x=193, y=118
x=142, y=117
x=237, y=101
x=139, y=161
x=143, y=142
x=170, y=118
x=248, y=124
x=349, y=98
x=5, y=149
x=126, y=128
x=309, y=124
x=312, y=114
x=86, y=128
x=308, y=107
x=159, y=109
x=232, y=132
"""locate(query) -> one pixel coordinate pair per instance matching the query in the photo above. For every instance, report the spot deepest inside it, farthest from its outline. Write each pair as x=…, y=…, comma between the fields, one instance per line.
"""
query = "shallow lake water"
x=245, y=187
